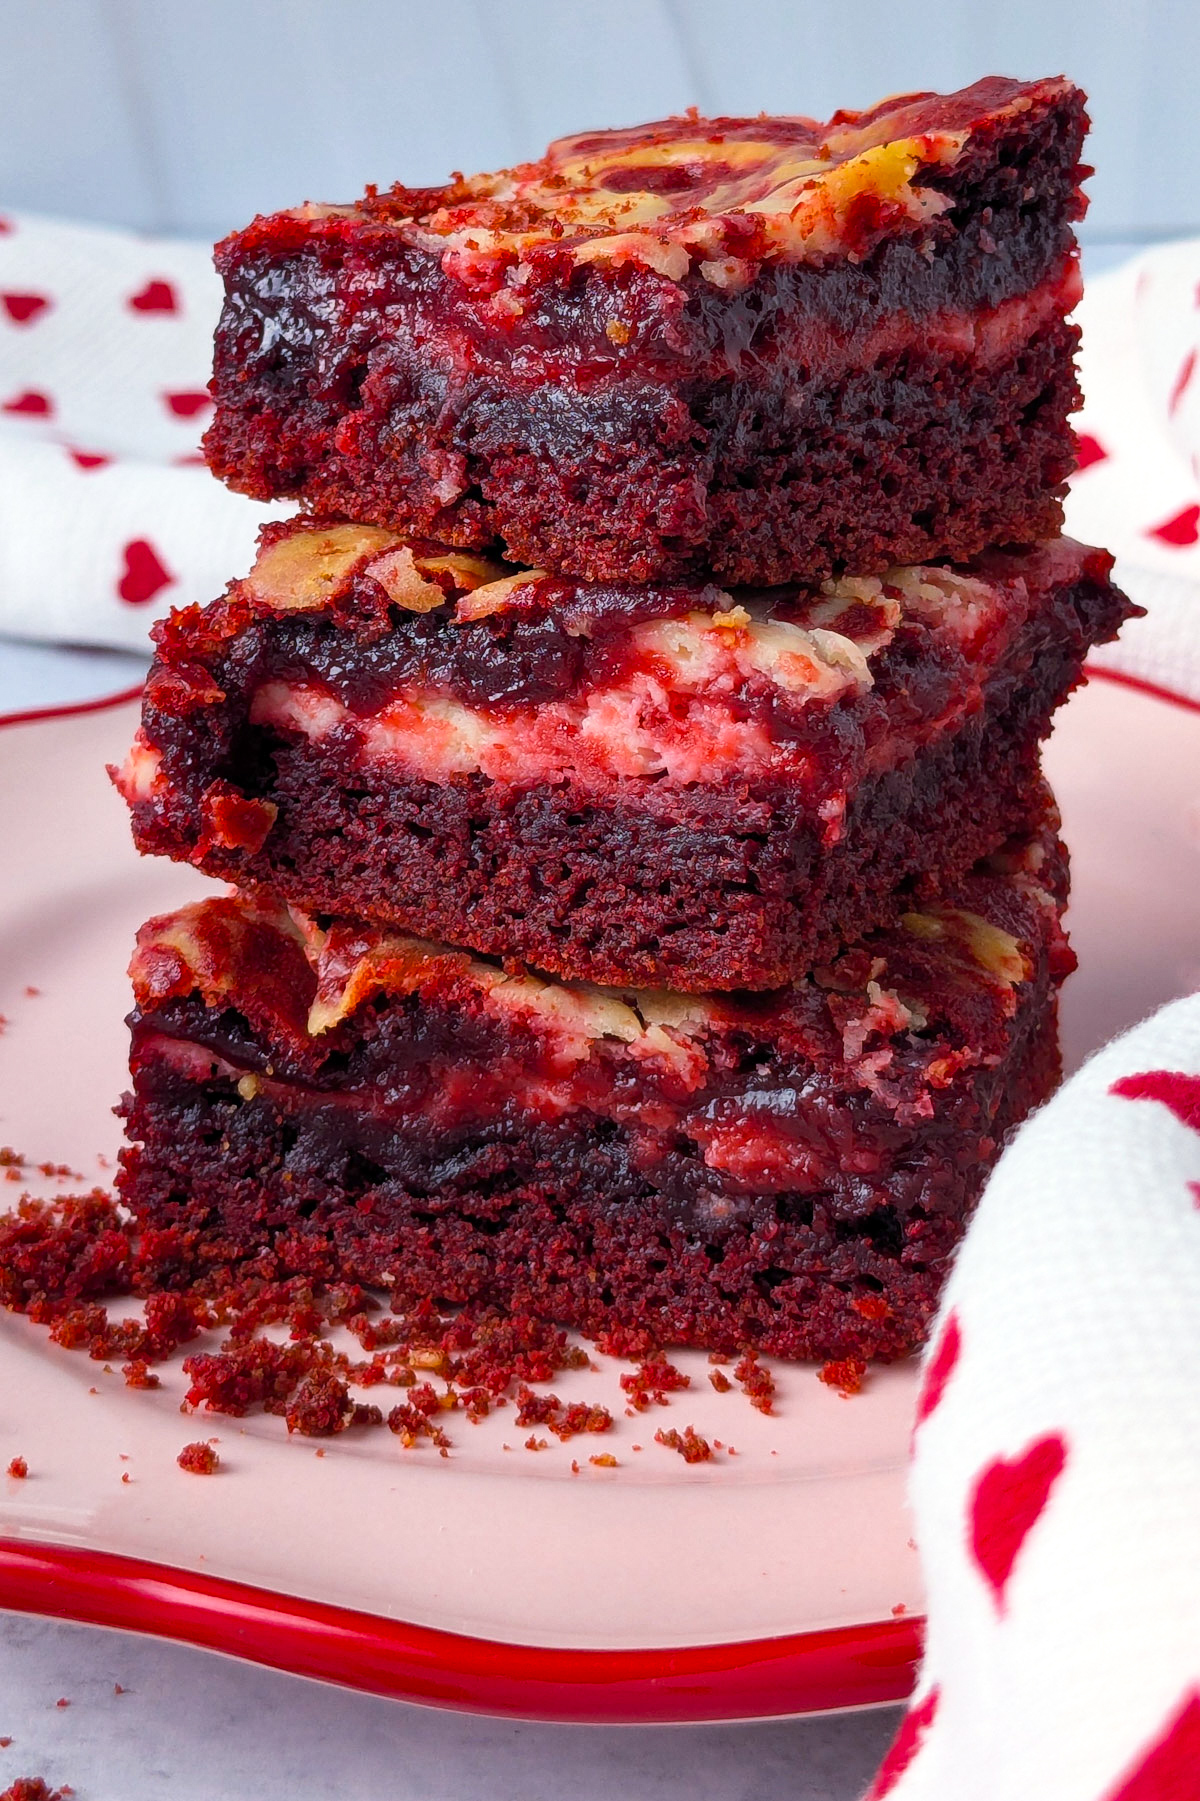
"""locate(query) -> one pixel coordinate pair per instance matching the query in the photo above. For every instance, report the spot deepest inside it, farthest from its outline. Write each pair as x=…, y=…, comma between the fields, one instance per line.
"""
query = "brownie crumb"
x=756, y=1382
x=563, y=1421
x=691, y=1447
x=650, y=1383
x=199, y=1459
x=18, y=1468
x=846, y=1374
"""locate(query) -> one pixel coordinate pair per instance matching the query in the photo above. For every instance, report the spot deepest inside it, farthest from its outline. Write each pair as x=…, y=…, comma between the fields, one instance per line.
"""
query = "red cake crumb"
x=691, y=1447
x=199, y=1459
x=606, y=1460
x=34, y=1788
x=720, y=1381
x=18, y=1468
x=563, y=1421
x=321, y=1407
x=536, y=1444
x=411, y=1425
x=650, y=1383
x=5, y=1743
x=758, y=1383
x=138, y=1374
x=843, y=1373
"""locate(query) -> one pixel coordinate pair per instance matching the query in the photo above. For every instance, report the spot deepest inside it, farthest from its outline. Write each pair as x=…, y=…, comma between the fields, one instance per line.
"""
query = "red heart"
x=1088, y=450
x=1186, y=371
x=1179, y=1092
x=1181, y=530
x=144, y=574
x=1008, y=1501
x=35, y=405
x=939, y=1368
x=1170, y=1770
x=88, y=459
x=155, y=297
x=905, y=1745
x=187, y=406
x=22, y=309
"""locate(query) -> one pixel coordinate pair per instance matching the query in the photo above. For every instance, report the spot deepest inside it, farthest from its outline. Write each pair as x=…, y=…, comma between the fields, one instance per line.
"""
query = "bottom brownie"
x=788, y=1170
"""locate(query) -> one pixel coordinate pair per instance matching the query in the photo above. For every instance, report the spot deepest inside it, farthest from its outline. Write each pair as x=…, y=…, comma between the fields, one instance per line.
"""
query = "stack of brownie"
x=647, y=906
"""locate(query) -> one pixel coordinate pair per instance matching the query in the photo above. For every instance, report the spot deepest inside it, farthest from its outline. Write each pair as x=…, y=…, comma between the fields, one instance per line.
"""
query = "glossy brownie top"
x=723, y=195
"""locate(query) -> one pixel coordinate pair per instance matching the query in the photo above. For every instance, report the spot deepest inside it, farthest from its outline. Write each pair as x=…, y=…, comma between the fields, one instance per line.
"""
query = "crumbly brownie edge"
x=757, y=480
x=562, y=1225
x=687, y=888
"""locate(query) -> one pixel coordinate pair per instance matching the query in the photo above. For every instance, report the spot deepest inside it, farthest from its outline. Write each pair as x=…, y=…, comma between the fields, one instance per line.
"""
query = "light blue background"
x=191, y=115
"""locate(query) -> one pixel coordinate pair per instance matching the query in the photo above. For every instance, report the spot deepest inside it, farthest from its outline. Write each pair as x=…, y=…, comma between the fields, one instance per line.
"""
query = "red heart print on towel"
x=1088, y=450
x=940, y=1368
x=904, y=1746
x=32, y=404
x=144, y=574
x=1186, y=371
x=1180, y=530
x=1179, y=1092
x=188, y=406
x=23, y=309
x=1170, y=1770
x=155, y=297
x=1007, y=1503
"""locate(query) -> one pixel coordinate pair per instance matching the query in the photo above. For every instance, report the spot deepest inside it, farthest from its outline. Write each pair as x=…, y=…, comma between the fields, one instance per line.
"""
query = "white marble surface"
x=196, y=1726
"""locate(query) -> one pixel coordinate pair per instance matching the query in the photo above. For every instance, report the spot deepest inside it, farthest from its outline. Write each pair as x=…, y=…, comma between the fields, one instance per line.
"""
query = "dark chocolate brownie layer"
x=771, y=349
x=660, y=785
x=789, y=1170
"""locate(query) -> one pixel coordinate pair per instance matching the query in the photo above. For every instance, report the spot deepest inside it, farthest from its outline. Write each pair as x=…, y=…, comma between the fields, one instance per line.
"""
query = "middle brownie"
x=632, y=785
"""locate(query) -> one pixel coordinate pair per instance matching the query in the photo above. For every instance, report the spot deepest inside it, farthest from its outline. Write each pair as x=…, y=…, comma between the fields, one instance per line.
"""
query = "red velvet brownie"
x=789, y=1170
x=665, y=785
x=767, y=349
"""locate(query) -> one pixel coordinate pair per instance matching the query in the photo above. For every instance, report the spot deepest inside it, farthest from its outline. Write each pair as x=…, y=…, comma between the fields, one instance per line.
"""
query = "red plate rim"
x=808, y=1672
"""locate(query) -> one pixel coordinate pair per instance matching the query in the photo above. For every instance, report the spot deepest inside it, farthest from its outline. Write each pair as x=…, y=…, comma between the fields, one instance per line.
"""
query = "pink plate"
x=779, y=1579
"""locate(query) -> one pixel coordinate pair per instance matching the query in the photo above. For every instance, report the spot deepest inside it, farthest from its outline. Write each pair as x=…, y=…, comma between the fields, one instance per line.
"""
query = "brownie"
x=669, y=785
x=769, y=349
x=788, y=1170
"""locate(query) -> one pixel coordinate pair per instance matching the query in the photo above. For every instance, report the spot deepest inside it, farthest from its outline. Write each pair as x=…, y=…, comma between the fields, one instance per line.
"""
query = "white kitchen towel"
x=1056, y=1468
x=108, y=518
x=1137, y=489
x=1056, y=1474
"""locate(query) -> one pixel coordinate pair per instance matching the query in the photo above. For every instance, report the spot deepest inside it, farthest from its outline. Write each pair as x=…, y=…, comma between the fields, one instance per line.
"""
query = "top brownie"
x=769, y=349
